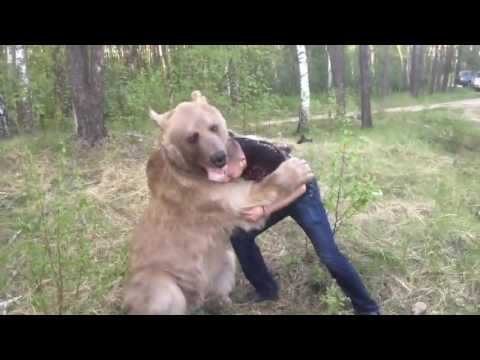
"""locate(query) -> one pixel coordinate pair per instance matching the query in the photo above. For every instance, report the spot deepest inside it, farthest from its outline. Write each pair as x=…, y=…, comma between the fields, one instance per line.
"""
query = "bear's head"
x=195, y=137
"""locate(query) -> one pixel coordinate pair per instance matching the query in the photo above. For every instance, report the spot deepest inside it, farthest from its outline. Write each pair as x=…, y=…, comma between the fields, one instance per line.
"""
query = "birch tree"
x=233, y=85
x=24, y=104
x=329, y=70
x=403, y=67
x=165, y=54
x=304, y=89
x=4, y=131
x=10, y=88
x=459, y=59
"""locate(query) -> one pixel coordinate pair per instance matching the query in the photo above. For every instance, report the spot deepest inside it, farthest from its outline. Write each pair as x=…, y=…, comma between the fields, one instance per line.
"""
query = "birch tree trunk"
x=11, y=88
x=233, y=84
x=24, y=104
x=402, y=67
x=4, y=131
x=304, y=89
x=329, y=70
x=167, y=72
x=458, y=64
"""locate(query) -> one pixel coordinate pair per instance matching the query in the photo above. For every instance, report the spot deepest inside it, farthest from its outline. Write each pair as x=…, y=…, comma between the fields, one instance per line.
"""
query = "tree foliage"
x=239, y=78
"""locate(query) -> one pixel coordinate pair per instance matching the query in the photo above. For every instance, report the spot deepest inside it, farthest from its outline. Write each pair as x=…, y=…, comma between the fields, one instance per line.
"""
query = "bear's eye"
x=214, y=128
x=192, y=139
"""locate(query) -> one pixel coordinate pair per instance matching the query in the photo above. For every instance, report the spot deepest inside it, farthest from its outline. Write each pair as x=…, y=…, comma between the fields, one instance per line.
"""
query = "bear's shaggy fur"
x=180, y=255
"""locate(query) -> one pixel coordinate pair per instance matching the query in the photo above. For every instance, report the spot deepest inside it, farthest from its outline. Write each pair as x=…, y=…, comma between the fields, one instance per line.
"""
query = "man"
x=253, y=159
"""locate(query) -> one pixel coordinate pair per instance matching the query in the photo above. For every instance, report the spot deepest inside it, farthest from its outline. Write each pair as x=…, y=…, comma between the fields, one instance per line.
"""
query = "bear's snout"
x=219, y=159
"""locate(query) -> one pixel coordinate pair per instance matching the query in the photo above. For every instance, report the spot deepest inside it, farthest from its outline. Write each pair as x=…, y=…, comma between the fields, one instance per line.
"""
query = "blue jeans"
x=309, y=213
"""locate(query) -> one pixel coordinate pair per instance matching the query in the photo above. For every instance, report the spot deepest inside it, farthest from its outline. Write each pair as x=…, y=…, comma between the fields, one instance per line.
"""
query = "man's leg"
x=309, y=212
x=251, y=259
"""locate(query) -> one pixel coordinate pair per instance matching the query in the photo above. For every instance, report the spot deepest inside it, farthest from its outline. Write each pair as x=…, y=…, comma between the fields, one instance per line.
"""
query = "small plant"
x=334, y=301
x=319, y=278
x=355, y=189
x=293, y=260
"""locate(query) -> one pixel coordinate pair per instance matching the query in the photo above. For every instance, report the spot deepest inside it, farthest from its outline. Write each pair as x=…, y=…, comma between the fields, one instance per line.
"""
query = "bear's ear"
x=160, y=119
x=198, y=97
x=231, y=133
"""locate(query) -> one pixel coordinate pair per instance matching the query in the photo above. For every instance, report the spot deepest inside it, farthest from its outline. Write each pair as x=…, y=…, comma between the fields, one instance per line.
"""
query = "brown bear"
x=180, y=254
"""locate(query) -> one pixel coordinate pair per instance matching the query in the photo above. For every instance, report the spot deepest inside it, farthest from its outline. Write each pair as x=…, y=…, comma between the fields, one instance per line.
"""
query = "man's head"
x=236, y=160
x=195, y=134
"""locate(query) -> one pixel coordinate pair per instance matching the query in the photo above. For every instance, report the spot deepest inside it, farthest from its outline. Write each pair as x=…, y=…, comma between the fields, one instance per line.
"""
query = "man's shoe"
x=369, y=313
x=260, y=298
x=255, y=297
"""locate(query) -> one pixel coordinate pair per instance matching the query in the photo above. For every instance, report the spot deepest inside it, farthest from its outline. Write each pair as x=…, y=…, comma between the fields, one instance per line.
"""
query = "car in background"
x=476, y=81
x=465, y=78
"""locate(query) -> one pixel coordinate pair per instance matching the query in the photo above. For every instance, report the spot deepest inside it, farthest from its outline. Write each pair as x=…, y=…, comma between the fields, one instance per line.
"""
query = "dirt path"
x=471, y=107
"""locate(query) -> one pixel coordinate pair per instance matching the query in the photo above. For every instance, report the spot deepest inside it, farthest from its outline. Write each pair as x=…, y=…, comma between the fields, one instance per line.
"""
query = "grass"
x=66, y=215
x=419, y=241
x=64, y=221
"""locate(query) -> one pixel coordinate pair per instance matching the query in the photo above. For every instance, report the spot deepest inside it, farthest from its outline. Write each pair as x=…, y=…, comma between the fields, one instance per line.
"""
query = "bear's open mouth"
x=217, y=174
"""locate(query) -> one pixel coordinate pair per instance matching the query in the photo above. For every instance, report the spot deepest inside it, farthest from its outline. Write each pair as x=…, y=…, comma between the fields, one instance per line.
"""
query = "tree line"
x=85, y=86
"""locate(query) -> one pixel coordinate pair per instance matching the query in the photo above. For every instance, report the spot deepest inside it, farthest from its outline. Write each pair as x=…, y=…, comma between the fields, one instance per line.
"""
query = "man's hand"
x=254, y=214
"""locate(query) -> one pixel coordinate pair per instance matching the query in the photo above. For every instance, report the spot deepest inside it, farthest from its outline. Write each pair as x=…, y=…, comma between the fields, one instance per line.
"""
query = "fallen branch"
x=402, y=283
x=136, y=136
x=14, y=237
x=5, y=304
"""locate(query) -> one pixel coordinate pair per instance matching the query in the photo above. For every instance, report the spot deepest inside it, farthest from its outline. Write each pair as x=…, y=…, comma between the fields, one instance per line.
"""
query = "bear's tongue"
x=217, y=174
